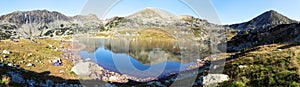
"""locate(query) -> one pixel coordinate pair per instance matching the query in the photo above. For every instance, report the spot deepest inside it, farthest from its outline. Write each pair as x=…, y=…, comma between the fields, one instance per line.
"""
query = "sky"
x=228, y=11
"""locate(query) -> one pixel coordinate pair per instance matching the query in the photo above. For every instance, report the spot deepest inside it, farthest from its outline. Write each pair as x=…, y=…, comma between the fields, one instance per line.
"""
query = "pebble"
x=30, y=54
x=30, y=64
x=5, y=52
x=5, y=56
x=61, y=71
x=10, y=64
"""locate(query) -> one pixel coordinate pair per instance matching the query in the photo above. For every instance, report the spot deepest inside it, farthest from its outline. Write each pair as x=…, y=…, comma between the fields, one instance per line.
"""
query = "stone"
x=242, y=66
x=50, y=46
x=214, y=79
x=30, y=65
x=30, y=54
x=82, y=68
x=10, y=64
x=113, y=79
x=61, y=71
x=5, y=52
x=5, y=56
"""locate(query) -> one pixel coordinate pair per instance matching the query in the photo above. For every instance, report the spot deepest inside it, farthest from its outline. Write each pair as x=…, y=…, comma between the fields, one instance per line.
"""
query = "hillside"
x=263, y=22
x=44, y=23
x=35, y=16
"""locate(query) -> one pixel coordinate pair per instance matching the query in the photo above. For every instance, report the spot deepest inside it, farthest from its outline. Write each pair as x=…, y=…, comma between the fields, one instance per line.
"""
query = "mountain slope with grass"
x=267, y=65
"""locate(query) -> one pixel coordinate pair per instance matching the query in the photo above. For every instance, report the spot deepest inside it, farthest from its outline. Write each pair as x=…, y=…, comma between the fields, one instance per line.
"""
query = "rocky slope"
x=269, y=28
x=39, y=23
x=264, y=21
x=284, y=33
x=35, y=16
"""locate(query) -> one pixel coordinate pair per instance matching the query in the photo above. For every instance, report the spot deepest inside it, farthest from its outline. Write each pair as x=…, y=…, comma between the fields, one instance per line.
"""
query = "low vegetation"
x=34, y=56
x=268, y=65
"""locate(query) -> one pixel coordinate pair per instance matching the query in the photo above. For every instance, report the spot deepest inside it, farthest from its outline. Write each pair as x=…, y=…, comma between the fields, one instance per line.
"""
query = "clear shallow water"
x=125, y=64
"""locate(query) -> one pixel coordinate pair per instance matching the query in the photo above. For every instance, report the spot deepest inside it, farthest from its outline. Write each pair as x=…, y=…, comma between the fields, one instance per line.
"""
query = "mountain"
x=264, y=21
x=153, y=14
x=39, y=23
x=146, y=18
x=284, y=33
x=36, y=16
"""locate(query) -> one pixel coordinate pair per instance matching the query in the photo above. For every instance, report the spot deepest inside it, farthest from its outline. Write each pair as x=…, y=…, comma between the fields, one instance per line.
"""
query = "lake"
x=141, y=58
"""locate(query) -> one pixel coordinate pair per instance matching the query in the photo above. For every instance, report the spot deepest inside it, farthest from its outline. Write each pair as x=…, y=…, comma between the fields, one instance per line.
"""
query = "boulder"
x=10, y=64
x=82, y=68
x=30, y=65
x=5, y=52
x=214, y=79
x=113, y=79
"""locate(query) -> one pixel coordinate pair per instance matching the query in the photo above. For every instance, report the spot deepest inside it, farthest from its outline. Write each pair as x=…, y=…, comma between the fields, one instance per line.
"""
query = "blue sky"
x=229, y=11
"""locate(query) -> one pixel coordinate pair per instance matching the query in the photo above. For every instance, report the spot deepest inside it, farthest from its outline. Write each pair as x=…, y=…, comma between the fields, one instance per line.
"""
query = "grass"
x=266, y=66
x=154, y=34
x=38, y=53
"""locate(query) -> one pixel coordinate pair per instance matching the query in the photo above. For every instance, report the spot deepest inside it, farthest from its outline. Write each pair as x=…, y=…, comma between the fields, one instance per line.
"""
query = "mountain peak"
x=267, y=19
x=153, y=13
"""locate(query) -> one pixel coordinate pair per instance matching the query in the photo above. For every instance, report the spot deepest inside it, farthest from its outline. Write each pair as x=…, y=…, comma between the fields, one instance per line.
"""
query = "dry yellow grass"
x=38, y=53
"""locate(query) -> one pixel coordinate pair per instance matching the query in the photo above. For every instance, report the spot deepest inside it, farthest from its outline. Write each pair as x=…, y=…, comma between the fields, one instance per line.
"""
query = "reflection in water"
x=141, y=58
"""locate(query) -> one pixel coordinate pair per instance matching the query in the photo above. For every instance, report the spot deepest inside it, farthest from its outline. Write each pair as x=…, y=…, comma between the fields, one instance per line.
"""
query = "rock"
x=10, y=64
x=30, y=54
x=5, y=52
x=113, y=79
x=242, y=66
x=50, y=46
x=30, y=65
x=104, y=78
x=61, y=71
x=82, y=68
x=5, y=56
x=214, y=78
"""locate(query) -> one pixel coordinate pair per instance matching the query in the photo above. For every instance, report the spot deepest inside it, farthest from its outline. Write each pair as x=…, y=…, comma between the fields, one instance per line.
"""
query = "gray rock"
x=82, y=68
x=10, y=64
x=5, y=52
x=214, y=79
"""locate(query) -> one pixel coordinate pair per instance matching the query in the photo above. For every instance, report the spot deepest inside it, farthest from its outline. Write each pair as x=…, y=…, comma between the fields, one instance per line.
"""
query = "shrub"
x=238, y=84
x=294, y=84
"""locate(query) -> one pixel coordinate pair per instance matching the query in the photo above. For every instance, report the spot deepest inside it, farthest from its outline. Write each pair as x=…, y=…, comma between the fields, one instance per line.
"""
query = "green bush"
x=238, y=84
x=294, y=84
